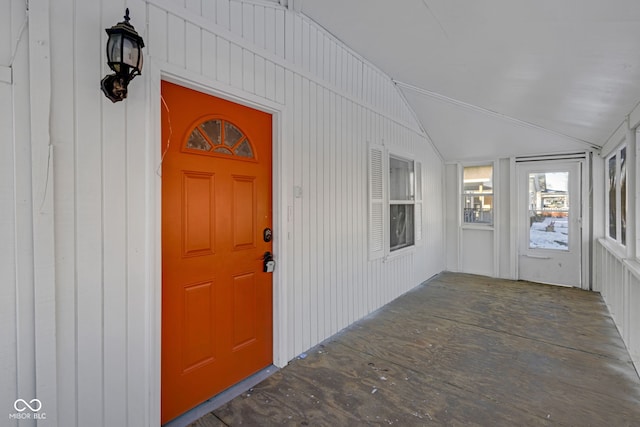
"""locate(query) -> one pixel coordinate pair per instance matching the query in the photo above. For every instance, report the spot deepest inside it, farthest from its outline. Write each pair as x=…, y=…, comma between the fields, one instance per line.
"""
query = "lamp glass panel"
x=140, y=60
x=114, y=51
x=130, y=52
x=114, y=48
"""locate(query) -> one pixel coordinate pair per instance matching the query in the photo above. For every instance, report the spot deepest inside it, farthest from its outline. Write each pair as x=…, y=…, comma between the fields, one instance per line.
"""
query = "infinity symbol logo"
x=21, y=405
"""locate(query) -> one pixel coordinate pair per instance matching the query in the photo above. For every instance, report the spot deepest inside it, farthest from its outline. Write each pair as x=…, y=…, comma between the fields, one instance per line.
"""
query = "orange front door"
x=216, y=204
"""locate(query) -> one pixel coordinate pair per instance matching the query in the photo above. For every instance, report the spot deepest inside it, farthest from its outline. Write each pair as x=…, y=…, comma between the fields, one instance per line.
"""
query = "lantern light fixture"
x=124, y=56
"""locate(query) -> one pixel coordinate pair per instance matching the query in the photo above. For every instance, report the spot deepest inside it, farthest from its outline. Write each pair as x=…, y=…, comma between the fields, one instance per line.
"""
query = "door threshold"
x=222, y=398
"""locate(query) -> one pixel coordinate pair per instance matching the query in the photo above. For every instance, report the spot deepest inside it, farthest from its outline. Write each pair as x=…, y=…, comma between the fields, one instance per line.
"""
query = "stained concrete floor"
x=458, y=350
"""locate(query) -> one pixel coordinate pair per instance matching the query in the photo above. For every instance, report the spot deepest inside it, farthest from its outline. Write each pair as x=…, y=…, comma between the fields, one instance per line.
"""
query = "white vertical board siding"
x=27, y=363
x=63, y=135
x=332, y=105
x=8, y=294
x=452, y=219
x=503, y=227
x=477, y=252
x=101, y=224
x=432, y=259
x=618, y=280
x=8, y=228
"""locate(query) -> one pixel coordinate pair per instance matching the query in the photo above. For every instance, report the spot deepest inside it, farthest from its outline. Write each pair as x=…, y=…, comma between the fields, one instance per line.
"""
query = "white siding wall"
x=477, y=251
x=17, y=290
x=99, y=363
x=506, y=231
x=8, y=292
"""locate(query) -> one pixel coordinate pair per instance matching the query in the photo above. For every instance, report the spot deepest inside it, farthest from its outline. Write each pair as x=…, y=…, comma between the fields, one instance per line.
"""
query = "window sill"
x=400, y=252
x=614, y=247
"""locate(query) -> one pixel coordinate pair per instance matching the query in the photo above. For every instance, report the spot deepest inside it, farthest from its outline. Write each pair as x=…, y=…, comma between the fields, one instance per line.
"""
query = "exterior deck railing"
x=618, y=280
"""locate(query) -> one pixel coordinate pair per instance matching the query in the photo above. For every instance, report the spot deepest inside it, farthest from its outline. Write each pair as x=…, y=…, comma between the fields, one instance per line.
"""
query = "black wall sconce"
x=124, y=56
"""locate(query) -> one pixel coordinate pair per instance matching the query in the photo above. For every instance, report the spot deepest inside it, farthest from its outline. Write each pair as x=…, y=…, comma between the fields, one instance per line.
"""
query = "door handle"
x=537, y=257
x=268, y=264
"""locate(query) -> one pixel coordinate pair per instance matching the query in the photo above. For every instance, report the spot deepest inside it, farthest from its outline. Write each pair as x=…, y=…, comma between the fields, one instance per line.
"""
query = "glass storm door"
x=216, y=203
x=549, y=208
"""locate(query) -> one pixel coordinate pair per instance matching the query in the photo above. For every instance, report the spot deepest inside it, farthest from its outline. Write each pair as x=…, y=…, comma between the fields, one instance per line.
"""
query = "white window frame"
x=402, y=202
x=618, y=194
x=380, y=203
x=462, y=195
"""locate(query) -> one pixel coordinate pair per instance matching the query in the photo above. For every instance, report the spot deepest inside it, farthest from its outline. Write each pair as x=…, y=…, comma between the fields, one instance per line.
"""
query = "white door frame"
x=585, y=159
x=157, y=71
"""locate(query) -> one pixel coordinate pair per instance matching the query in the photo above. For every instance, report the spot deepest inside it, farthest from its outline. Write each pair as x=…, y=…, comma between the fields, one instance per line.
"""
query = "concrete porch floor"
x=458, y=350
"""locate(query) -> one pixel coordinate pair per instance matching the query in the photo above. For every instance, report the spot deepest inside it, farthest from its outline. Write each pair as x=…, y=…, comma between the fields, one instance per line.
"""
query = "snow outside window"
x=549, y=207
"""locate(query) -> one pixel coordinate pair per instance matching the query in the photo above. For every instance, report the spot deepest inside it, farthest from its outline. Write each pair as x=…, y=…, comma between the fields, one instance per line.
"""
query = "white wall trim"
x=154, y=240
x=415, y=117
x=459, y=236
x=634, y=117
x=617, y=138
x=513, y=200
x=585, y=184
x=497, y=176
x=632, y=202
x=443, y=186
x=195, y=81
x=633, y=183
x=585, y=229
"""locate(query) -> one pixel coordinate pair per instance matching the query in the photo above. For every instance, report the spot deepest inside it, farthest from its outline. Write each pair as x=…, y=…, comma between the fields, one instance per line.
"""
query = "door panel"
x=245, y=322
x=549, y=212
x=216, y=196
x=198, y=344
x=244, y=213
x=198, y=220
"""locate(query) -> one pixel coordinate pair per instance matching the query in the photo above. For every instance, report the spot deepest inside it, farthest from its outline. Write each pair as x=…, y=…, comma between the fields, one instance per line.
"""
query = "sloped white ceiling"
x=491, y=78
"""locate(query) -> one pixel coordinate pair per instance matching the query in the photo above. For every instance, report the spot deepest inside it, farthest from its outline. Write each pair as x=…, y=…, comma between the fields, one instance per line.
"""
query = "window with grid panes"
x=477, y=195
